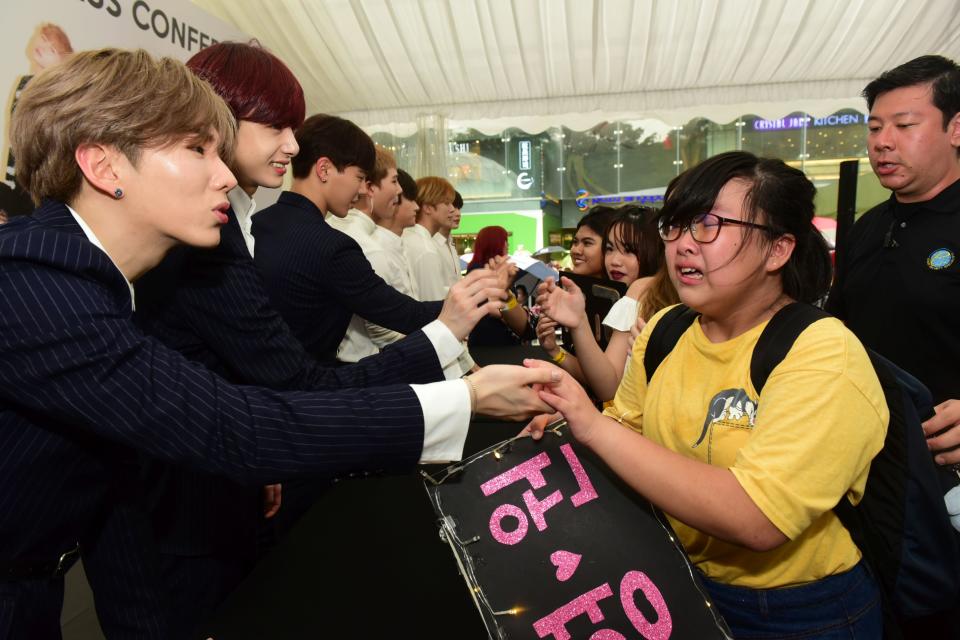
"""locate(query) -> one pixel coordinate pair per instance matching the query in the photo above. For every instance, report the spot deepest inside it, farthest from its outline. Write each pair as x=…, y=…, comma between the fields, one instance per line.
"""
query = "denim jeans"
x=845, y=605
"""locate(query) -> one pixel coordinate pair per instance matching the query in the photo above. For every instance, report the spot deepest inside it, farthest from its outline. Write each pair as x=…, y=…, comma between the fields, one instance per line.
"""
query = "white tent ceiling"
x=533, y=63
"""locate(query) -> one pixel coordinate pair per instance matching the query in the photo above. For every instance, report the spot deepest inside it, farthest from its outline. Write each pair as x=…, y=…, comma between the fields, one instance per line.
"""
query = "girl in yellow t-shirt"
x=749, y=479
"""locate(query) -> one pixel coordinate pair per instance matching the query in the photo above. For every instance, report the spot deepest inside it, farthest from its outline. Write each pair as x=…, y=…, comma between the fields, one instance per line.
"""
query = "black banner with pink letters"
x=553, y=545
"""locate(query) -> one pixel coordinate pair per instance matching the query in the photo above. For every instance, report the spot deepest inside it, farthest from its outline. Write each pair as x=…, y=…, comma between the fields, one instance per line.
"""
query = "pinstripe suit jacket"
x=80, y=384
x=209, y=304
x=317, y=278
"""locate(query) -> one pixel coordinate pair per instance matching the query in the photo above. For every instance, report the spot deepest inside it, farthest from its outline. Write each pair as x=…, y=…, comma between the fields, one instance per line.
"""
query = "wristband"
x=511, y=303
x=560, y=357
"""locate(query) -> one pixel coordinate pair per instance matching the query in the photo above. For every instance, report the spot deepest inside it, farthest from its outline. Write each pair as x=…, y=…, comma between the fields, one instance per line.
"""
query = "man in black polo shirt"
x=898, y=283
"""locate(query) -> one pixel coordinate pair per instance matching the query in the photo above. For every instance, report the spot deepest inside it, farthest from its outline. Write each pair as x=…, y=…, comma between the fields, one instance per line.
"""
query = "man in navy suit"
x=316, y=276
x=210, y=305
x=81, y=387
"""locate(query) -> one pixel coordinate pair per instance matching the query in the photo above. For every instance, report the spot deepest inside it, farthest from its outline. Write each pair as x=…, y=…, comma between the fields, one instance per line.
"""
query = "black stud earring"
x=118, y=193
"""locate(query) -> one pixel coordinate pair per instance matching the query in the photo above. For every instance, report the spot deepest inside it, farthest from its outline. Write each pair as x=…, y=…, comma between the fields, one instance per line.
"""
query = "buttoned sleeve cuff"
x=449, y=349
x=446, y=419
x=464, y=364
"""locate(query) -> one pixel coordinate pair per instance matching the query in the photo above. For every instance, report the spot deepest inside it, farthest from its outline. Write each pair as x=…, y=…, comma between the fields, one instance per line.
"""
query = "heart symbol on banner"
x=566, y=563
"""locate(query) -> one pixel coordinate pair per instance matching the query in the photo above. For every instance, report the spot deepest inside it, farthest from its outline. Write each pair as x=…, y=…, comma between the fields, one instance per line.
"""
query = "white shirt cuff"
x=446, y=419
x=448, y=348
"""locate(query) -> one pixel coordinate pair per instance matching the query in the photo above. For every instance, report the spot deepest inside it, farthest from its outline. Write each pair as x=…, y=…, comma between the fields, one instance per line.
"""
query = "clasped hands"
x=481, y=292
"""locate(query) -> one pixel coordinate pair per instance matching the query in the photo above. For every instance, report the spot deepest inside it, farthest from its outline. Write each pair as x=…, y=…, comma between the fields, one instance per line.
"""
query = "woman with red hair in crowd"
x=514, y=325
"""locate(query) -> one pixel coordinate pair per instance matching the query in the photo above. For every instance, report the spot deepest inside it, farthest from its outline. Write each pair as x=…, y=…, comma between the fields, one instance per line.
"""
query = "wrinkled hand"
x=564, y=304
x=948, y=417
x=473, y=297
x=566, y=395
x=547, y=334
x=511, y=392
x=271, y=500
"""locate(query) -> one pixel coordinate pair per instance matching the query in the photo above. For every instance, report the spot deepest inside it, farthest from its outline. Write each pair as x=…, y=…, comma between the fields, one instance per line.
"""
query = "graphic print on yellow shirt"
x=796, y=449
x=729, y=409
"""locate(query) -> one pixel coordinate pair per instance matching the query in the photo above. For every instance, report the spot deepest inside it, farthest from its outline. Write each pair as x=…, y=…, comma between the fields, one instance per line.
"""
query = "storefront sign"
x=585, y=201
x=526, y=148
x=797, y=122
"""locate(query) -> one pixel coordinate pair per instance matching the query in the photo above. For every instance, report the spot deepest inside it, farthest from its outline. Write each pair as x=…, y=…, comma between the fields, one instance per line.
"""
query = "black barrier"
x=553, y=545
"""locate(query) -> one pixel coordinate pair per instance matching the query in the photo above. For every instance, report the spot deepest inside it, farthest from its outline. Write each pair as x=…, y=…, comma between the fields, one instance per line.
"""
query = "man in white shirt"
x=429, y=265
x=364, y=338
x=444, y=240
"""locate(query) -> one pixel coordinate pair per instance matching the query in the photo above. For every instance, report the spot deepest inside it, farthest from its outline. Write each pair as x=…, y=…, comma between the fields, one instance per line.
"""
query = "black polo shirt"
x=898, y=287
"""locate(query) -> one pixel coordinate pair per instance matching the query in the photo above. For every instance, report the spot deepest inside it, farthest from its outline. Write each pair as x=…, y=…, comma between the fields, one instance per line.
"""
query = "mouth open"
x=886, y=168
x=689, y=274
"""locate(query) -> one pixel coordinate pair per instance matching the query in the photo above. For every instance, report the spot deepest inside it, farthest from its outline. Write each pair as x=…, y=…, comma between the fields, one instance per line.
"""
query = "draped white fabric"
x=493, y=63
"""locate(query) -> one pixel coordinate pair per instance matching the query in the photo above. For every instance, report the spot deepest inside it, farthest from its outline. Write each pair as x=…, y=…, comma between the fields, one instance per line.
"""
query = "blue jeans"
x=845, y=605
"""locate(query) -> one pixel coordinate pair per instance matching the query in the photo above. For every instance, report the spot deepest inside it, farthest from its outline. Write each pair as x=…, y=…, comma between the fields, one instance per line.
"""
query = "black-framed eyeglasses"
x=704, y=228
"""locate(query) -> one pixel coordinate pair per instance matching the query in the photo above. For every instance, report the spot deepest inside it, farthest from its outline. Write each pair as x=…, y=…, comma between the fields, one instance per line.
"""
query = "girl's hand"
x=547, y=335
x=566, y=395
x=565, y=305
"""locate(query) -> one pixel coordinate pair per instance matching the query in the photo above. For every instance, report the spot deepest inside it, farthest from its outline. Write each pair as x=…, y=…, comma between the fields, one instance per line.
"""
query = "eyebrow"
x=898, y=114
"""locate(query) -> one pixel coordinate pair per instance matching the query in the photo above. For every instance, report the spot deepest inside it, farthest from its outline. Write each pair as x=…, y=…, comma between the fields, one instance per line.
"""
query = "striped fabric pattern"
x=80, y=386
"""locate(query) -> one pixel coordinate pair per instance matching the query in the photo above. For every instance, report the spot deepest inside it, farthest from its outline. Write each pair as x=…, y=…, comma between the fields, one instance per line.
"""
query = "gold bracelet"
x=560, y=357
x=473, y=395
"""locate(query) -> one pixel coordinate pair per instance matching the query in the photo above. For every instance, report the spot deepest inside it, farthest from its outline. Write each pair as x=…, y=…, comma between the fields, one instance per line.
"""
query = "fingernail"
x=555, y=376
x=940, y=460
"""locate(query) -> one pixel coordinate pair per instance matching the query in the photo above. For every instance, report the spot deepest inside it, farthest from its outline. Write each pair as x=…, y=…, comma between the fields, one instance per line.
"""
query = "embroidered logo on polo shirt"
x=940, y=259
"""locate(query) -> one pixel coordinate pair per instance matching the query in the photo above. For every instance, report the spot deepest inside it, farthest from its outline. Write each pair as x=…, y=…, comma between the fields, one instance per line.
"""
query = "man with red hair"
x=211, y=306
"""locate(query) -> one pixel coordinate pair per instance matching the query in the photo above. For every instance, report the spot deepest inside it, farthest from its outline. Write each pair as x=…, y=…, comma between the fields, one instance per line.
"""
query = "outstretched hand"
x=511, y=392
x=565, y=304
x=505, y=270
x=478, y=294
x=566, y=395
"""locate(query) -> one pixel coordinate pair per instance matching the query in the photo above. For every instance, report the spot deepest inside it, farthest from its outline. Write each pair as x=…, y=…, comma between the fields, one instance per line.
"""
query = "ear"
x=780, y=252
x=323, y=167
x=953, y=129
x=101, y=166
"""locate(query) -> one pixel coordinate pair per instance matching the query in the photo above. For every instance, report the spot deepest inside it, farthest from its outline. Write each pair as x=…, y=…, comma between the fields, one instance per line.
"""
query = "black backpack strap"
x=665, y=335
x=778, y=337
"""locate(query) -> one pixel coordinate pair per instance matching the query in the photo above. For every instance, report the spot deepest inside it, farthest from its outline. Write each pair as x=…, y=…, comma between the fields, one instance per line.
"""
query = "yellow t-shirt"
x=799, y=447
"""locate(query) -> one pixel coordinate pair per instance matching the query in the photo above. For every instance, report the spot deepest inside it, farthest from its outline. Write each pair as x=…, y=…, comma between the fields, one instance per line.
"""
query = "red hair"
x=490, y=242
x=254, y=83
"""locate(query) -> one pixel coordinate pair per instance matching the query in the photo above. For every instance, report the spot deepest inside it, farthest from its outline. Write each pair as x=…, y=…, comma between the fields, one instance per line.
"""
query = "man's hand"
x=566, y=395
x=566, y=305
x=271, y=500
x=511, y=392
x=948, y=421
x=473, y=297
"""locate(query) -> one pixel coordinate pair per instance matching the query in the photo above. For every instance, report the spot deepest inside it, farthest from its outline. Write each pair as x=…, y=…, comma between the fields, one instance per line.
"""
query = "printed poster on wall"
x=37, y=34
